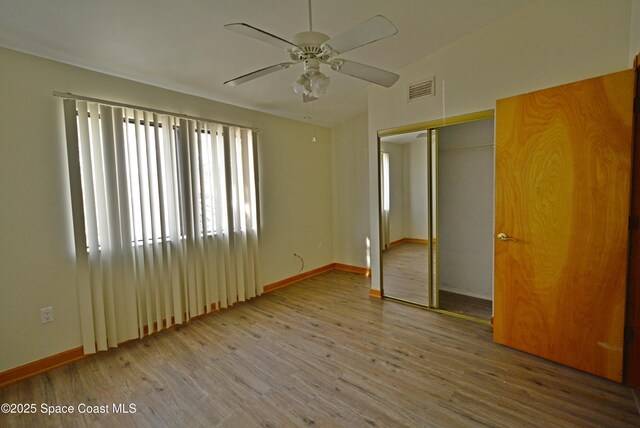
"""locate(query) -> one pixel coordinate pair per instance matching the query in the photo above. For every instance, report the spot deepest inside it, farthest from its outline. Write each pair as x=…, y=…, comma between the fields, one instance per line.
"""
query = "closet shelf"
x=464, y=149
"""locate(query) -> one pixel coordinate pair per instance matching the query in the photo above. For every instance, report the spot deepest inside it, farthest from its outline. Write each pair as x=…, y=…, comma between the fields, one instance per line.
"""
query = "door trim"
x=631, y=364
x=437, y=123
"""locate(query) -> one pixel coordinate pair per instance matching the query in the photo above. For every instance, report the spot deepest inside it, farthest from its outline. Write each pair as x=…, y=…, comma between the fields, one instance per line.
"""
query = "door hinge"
x=634, y=222
x=629, y=334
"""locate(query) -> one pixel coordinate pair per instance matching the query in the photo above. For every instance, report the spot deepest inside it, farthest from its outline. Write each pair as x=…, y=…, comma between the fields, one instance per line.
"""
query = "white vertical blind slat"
x=146, y=259
x=83, y=278
x=209, y=194
x=165, y=278
x=87, y=172
x=196, y=192
x=252, y=166
x=156, y=261
x=186, y=131
x=222, y=241
x=175, y=238
x=124, y=283
x=203, y=136
x=239, y=223
x=229, y=254
x=137, y=236
x=98, y=278
x=249, y=277
x=113, y=273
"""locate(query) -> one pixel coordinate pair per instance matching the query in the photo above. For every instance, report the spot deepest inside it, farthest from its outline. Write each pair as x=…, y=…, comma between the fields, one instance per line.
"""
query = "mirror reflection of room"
x=404, y=181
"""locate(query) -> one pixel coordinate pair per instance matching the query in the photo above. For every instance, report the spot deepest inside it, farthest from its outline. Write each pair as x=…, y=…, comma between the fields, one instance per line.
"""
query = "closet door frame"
x=432, y=128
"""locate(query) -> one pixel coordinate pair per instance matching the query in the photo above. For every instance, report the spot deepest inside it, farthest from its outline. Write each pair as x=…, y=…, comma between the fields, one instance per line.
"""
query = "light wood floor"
x=406, y=276
x=322, y=353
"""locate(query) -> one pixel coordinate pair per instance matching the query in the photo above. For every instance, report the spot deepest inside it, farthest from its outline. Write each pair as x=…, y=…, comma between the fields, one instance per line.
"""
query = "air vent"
x=423, y=88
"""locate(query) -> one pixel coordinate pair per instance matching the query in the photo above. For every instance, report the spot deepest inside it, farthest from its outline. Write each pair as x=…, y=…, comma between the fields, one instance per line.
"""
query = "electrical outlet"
x=46, y=315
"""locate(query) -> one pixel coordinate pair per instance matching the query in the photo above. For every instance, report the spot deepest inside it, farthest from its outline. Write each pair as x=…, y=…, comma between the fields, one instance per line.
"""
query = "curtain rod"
x=69, y=95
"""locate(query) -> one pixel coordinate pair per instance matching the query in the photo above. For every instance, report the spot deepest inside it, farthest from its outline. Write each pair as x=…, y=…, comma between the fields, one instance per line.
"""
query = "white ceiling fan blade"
x=262, y=35
x=365, y=72
x=258, y=73
x=369, y=31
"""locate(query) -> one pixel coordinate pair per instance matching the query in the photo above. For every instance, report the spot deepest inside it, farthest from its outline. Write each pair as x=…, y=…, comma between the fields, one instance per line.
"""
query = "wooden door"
x=563, y=163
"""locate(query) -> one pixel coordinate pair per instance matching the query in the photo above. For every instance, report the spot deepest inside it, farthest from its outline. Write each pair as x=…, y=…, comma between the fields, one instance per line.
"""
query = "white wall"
x=465, y=206
x=397, y=193
x=350, y=179
x=549, y=42
x=36, y=251
x=415, y=185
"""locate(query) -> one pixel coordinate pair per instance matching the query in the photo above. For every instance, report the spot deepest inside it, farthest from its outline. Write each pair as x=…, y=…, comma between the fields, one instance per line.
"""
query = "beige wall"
x=36, y=256
x=350, y=157
x=549, y=42
x=416, y=179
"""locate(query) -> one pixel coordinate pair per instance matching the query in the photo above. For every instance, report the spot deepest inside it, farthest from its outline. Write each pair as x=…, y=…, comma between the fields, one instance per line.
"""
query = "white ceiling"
x=182, y=45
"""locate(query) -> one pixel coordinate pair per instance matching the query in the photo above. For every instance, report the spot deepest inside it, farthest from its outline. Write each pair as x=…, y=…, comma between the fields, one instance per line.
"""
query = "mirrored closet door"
x=405, y=168
x=436, y=212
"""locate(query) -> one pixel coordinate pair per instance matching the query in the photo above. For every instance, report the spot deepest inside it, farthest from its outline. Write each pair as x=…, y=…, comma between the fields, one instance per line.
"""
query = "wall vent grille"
x=423, y=88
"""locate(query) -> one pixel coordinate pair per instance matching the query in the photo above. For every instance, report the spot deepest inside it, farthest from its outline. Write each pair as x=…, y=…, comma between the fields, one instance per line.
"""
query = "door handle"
x=504, y=237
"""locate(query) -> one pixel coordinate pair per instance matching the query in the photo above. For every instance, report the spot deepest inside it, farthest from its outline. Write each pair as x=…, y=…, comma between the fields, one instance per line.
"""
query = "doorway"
x=436, y=215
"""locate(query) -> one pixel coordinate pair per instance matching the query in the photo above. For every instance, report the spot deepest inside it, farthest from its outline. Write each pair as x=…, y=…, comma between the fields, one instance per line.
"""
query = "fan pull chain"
x=313, y=138
x=309, y=117
x=444, y=116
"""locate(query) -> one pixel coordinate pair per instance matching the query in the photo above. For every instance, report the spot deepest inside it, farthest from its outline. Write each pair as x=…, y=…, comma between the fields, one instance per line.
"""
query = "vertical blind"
x=165, y=218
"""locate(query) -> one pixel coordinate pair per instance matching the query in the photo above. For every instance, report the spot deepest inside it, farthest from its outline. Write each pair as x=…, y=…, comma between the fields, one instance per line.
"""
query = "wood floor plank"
x=322, y=353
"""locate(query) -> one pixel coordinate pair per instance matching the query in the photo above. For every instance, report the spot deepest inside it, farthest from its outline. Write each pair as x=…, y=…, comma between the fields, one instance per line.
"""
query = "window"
x=165, y=218
x=151, y=154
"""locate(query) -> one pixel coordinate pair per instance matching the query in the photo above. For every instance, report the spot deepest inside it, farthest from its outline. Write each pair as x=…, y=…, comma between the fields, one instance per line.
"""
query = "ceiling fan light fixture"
x=319, y=84
x=302, y=85
x=311, y=83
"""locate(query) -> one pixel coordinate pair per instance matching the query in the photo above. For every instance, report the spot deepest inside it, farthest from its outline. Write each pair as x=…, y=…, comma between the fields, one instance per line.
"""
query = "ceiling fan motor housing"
x=310, y=44
x=311, y=66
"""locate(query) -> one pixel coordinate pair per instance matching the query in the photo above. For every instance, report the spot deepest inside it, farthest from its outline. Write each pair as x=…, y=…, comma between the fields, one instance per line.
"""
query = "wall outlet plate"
x=46, y=315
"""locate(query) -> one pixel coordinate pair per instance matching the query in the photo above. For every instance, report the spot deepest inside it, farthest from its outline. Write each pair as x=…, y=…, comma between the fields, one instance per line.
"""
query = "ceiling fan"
x=313, y=48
